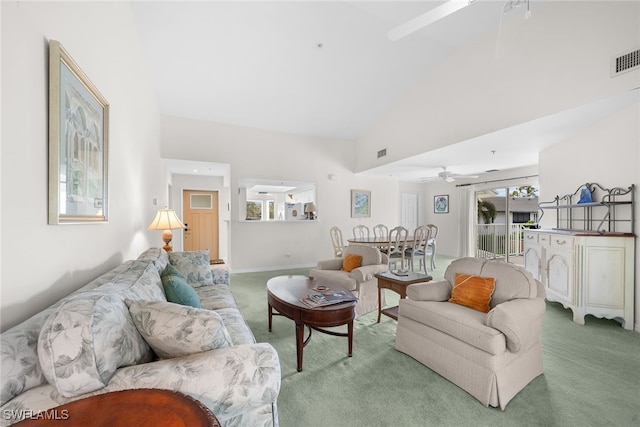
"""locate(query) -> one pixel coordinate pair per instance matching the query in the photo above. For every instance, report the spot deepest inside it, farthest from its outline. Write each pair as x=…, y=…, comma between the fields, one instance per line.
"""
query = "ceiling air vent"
x=382, y=153
x=625, y=62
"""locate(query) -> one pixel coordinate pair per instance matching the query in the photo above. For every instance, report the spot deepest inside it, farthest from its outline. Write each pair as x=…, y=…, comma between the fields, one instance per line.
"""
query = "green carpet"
x=592, y=374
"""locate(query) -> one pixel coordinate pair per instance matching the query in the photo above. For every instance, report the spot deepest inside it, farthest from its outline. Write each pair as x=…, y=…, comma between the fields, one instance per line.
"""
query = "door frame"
x=498, y=184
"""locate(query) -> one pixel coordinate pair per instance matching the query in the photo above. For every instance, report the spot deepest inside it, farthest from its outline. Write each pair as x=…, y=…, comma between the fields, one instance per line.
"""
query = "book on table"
x=328, y=297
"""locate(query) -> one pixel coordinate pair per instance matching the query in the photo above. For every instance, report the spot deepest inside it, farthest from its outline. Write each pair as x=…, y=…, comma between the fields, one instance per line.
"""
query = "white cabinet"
x=588, y=273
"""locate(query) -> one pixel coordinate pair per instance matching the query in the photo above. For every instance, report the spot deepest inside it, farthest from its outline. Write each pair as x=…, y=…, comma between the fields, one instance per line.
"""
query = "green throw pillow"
x=170, y=270
x=178, y=290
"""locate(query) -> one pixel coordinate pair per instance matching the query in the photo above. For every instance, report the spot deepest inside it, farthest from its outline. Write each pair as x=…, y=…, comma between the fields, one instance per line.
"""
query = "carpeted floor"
x=592, y=374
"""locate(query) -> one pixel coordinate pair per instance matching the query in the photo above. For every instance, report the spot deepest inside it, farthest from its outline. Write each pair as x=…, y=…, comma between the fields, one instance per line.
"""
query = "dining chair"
x=381, y=232
x=361, y=232
x=336, y=241
x=397, y=245
x=416, y=249
x=430, y=249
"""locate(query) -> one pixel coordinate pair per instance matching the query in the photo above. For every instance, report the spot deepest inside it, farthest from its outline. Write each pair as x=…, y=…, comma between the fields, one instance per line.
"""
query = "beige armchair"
x=490, y=355
x=360, y=281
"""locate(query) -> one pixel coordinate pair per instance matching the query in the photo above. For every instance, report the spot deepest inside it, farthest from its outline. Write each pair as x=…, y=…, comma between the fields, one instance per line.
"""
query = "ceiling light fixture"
x=427, y=18
x=513, y=4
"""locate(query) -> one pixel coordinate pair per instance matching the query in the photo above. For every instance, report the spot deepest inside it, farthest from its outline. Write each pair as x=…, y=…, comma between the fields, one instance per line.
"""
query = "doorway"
x=503, y=215
x=200, y=218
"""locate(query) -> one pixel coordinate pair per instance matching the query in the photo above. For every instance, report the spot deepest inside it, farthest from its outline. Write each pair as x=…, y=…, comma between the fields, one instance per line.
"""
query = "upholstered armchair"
x=492, y=350
x=355, y=271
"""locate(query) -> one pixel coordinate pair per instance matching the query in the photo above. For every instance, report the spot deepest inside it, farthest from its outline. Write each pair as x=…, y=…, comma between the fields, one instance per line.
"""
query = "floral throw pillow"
x=174, y=330
x=194, y=266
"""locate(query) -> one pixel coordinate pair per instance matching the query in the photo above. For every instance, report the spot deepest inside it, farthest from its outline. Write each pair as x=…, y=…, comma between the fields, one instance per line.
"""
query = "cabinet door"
x=532, y=260
x=533, y=255
x=606, y=275
x=559, y=267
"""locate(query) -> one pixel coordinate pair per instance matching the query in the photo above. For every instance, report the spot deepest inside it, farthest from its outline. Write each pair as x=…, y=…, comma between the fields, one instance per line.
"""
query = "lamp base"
x=167, y=235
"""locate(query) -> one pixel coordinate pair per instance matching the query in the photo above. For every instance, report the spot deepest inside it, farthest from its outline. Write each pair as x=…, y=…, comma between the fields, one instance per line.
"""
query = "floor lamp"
x=166, y=220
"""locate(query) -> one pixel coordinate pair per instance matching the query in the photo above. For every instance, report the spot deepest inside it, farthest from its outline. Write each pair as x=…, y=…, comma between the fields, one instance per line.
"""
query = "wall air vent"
x=625, y=62
x=382, y=153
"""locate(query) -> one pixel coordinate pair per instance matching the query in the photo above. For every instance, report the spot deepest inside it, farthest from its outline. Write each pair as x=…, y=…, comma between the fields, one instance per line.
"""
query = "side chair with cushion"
x=431, y=244
x=417, y=250
x=479, y=328
x=355, y=271
x=396, y=246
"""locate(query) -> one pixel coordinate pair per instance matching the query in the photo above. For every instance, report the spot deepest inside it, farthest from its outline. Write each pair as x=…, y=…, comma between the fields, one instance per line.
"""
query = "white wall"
x=270, y=155
x=557, y=60
x=41, y=263
x=608, y=153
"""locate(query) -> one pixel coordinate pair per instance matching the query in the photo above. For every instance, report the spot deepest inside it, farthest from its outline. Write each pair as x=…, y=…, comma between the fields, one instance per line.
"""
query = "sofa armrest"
x=330, y=264
x=227, y=380
x=384, y=258
x=366, y=272
x=520, y=320
x=430, y=291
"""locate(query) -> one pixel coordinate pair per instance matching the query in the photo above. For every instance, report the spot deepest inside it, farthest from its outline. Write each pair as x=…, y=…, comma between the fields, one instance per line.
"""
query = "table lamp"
x=310, y=208
x=166, y=220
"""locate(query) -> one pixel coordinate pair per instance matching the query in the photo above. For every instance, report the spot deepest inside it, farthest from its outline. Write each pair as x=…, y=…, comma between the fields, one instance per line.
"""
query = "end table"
x=398, y=284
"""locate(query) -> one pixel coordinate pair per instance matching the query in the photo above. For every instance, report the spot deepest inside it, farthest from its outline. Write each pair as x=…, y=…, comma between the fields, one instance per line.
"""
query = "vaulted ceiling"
x=321, y=68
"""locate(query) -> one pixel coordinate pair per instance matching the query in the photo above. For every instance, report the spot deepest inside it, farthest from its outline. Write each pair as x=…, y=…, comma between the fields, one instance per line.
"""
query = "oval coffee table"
x=284, y=295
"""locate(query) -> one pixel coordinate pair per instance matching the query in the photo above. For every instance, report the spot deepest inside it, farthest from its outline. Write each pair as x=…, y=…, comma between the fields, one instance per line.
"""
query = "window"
x=271, y=205
x=521, y=217
x=201, y=201
x=254, y=210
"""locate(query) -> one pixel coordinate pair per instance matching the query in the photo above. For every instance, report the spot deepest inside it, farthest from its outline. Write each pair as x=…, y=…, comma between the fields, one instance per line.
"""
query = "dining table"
x=376, y=241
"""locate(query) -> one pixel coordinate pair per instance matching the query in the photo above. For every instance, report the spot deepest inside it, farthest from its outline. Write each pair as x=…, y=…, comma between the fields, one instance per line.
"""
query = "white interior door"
x=409, y=211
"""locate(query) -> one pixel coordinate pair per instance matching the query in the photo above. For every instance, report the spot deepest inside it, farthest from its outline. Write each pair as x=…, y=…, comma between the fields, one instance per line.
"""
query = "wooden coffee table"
x=284, y=294
x=398, y=284
x=142, y=407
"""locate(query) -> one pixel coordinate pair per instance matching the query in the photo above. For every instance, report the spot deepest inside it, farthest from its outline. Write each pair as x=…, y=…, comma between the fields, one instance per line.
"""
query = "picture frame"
x=441, y=204
x=360, y=204
x=78, y=143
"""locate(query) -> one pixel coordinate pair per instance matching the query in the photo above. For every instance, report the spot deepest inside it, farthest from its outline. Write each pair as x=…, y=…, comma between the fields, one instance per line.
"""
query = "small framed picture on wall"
x=360, y=204
x=441, y=203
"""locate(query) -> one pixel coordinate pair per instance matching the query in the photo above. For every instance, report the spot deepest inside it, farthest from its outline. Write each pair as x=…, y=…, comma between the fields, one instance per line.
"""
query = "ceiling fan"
x=428, y=18
x=447, y=176
x=445, y=9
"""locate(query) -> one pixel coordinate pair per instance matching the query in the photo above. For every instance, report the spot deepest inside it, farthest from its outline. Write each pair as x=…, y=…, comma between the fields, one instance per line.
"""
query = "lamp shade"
x=166, y=219
x=310, y=207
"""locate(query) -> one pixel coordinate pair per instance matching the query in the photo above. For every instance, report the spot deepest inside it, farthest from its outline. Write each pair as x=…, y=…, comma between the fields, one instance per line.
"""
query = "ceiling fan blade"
x=465, y=176
x=427, y=18
x=429, y=178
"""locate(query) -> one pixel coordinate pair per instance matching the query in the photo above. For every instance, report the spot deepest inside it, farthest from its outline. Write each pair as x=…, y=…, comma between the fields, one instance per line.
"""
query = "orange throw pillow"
x=473, y=291
x=350, y=261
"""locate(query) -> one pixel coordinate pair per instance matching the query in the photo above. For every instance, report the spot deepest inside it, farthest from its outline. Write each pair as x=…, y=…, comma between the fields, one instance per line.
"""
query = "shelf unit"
x=613, y=213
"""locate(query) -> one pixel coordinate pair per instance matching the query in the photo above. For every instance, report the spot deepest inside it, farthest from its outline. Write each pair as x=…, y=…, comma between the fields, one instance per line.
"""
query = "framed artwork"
x=78, y=143
x=441, y=203
x=360, y=203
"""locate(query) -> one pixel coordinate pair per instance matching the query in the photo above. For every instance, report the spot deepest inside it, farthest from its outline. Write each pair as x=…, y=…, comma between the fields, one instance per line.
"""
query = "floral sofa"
x=120, y=332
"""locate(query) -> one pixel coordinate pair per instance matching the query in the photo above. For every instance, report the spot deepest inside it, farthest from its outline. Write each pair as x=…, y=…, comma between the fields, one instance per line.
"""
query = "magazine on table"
x=328, y=297
x=400, y=272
